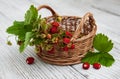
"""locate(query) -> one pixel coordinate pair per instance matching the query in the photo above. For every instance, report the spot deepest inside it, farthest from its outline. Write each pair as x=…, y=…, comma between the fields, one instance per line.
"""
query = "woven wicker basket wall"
x=84, y=29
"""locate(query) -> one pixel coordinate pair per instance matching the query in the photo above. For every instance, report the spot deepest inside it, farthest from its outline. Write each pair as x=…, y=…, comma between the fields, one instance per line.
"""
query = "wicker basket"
x=81, y=26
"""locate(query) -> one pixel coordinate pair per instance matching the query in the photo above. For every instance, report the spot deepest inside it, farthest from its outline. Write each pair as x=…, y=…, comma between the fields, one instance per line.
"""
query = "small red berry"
x=72, y=46
x=86, y=65
x=51, y=51
x=53, y=30
x=55, y=24
x=66, y=40
x=68, y=34
x=65, y=48
x=30, y=60
x=96, y=65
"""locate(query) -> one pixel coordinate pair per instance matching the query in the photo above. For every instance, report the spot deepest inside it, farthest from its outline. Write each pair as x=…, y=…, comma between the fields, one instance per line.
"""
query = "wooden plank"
x=109, y=6
x=14, y=65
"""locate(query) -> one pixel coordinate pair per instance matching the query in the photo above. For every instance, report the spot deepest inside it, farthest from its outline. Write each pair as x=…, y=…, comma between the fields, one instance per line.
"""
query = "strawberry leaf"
x=31, y=15
x=102, y=43
x=103, y=58
x=28, y=37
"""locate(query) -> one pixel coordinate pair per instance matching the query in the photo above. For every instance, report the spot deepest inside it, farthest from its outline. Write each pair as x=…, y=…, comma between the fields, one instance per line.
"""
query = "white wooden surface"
x=12, y=63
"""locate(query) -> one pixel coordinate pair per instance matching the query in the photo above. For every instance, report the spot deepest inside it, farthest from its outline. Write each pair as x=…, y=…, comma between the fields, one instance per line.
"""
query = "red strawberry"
x=72, y=46
x=30, y=60
x=68, y=34
x=86, y=65
x=66, y=40
x=55, y=24
x=51, y=51
x=96, y=65
x=65, y=48
x=53, y=30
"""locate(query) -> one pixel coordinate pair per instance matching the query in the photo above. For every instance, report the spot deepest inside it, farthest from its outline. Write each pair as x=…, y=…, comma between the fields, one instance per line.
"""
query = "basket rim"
x=83, y=37
x=63, y=16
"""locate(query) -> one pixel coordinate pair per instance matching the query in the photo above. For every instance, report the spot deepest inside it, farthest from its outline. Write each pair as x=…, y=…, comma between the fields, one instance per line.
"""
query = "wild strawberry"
x=96, y=65
x=49, y=36
x=68, y=34
x=30, y=60
x=56, y=40
x=86, y=65
x=31, y=43
x=66, y=40
x=9, y=43
x=55, y=24
x=59, y=19
x=53, y=30
x=69, y=45
x=72, y=46
x=43, y=35
x=65, y=48
x=51, y=51
x=19, y=42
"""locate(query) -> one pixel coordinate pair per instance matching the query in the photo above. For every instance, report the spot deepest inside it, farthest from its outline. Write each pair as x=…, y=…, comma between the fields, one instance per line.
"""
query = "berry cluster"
x=55, y=35
x=86, y=65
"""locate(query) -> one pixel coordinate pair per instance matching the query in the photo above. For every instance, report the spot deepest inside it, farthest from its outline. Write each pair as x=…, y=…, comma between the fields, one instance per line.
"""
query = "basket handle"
x=81, y=26
x=49, y=8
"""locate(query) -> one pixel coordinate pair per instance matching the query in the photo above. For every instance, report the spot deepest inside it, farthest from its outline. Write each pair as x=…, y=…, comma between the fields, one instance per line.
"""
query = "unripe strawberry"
x=69, y=45
x=51, y=51
x=59, y=19
x=48, y=47
x=49, y=36
x=31, y=43
x=9, y=43
x=42, y=35
x=55, y=40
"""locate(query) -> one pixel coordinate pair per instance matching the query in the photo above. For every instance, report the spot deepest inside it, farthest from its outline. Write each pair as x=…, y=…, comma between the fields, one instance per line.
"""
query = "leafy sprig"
x=26, y=30
x=103, y=45
x=36, y=31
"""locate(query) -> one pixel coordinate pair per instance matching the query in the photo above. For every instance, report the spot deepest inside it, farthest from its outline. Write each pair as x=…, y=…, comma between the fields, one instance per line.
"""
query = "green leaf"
x=16, y=28
x=106, y=59
x=103, y=58
x=38, y=41
x=31, y=15
x=102, y=43
x=21, y=49
x=27, y=41
x=19, y=29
